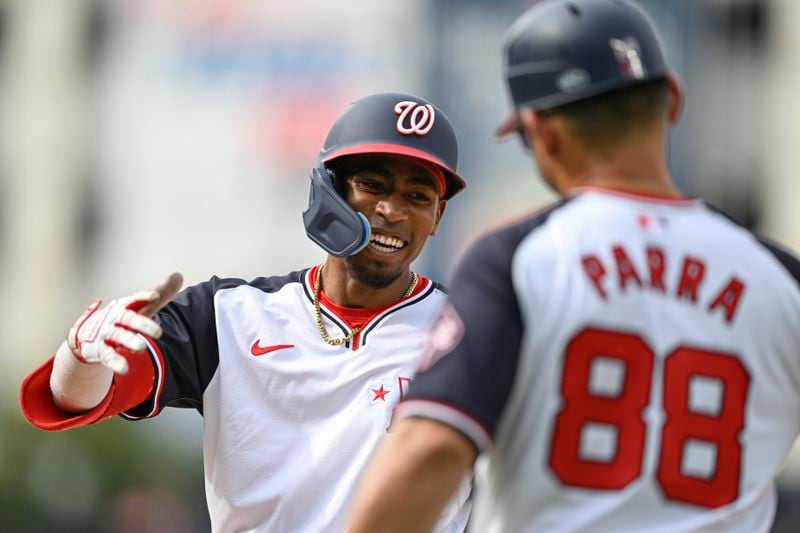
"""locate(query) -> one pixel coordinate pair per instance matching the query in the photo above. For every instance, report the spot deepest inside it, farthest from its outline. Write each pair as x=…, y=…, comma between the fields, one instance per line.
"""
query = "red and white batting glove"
x=110, y=334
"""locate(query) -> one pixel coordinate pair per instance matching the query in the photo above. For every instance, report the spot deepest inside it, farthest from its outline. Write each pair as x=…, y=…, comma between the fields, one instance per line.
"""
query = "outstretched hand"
x=110, y=334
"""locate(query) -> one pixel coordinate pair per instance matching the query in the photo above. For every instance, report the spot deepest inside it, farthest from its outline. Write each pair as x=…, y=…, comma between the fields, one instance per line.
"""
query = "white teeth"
x=387, y=241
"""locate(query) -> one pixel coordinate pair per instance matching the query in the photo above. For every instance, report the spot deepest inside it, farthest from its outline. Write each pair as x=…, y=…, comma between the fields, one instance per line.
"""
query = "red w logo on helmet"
x=414, y=118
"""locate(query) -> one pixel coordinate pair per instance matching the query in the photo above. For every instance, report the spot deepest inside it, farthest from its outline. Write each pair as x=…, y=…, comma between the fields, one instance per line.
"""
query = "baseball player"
x=625, y=360
x=295, y=376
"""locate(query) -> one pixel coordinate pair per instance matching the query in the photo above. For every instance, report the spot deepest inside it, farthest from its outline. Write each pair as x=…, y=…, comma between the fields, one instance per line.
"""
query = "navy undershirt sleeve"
x=189, y=343
x=788, y=260
x=188, y=346
x=477, y=375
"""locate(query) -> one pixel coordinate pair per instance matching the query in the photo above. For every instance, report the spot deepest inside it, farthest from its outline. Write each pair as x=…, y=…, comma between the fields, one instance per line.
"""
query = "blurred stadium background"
x=139, y=137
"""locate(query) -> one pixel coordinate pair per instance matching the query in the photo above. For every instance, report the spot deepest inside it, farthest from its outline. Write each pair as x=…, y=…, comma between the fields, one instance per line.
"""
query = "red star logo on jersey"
x=643, y=221
x=380, y=393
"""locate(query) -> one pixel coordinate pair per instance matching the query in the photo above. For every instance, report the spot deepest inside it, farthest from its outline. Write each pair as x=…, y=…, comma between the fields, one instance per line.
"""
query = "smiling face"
x=402, y=203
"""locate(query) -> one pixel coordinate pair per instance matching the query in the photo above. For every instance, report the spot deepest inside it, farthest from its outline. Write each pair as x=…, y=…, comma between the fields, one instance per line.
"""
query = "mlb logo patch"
x=627, y=52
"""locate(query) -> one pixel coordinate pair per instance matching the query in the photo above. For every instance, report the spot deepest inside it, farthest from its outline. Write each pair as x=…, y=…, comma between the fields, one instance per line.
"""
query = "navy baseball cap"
x=564, y=51
x=399, y=124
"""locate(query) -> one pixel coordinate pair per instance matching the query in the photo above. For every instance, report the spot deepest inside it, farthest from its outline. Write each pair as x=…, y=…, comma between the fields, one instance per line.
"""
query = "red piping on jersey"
x=158, y=368
x=637, y=195
x=160, y=387
x=358, y=317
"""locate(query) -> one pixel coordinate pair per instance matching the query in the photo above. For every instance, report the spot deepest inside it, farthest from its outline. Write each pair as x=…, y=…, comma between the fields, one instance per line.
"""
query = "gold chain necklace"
x=318, y=314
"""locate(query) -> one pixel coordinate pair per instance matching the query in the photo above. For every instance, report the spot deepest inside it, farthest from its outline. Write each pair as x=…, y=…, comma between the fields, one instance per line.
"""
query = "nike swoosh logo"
x=257, y=350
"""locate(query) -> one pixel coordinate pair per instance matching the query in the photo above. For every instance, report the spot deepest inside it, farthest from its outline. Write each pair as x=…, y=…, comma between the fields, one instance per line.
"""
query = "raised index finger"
x=166, y=290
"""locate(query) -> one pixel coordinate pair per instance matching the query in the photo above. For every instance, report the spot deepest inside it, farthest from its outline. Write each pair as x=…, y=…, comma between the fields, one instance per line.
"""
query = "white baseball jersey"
x=627, y=363
x=289, y=422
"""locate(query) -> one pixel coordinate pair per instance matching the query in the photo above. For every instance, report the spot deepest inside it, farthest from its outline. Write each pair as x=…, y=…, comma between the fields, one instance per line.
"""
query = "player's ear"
x=439, y=214
x=674, y=98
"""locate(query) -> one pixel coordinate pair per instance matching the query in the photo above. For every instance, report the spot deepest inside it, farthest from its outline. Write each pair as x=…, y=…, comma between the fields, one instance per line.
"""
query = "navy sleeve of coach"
x=189, y=347
x=476, y=376
x=788, y=260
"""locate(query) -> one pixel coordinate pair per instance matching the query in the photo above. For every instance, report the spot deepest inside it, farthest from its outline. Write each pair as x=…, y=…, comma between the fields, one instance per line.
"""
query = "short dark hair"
x=603, y=120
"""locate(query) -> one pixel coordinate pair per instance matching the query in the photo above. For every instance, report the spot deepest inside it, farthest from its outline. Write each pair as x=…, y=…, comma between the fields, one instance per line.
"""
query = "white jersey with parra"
x=626, y=363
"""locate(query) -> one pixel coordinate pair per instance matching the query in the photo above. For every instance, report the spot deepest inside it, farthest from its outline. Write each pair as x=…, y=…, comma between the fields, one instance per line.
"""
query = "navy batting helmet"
x=563, y=51
x=386, y=123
